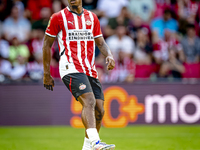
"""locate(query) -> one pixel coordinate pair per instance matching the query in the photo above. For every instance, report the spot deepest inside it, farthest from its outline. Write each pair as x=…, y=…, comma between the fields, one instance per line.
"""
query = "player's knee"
x=90, y=101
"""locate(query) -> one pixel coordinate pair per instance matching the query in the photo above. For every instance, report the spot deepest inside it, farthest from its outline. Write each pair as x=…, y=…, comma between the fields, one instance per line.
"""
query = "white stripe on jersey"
x=86, y=59
x=60, y=41
x=93, y=58
x=78, y=42
x=67, y=41
x=63, y=59
x=98, y=36
x=50, y=34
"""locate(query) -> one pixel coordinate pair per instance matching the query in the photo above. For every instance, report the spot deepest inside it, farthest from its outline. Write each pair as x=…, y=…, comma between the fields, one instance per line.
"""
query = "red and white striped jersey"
x=76, y=34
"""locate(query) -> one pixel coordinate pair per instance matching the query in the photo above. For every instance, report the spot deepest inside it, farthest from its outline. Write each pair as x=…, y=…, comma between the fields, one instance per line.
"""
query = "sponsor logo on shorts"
x=82, y=86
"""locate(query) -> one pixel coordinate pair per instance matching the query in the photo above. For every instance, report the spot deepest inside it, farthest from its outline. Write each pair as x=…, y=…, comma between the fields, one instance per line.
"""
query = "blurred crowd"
x=150, y=39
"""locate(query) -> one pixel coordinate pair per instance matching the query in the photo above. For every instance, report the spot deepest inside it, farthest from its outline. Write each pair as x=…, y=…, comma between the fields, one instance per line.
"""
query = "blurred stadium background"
x=152, y=95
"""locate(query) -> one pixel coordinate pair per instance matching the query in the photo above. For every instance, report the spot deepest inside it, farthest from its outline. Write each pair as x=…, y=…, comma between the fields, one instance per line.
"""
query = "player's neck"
x=76, y=9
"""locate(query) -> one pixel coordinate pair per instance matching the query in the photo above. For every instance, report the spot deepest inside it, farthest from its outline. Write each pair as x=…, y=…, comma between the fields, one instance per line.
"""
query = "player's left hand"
x=110, y=62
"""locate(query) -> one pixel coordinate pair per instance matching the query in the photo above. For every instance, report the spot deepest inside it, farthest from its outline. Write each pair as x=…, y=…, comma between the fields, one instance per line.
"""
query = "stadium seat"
x=191, y=71
x=54, y=72
x=145, y=71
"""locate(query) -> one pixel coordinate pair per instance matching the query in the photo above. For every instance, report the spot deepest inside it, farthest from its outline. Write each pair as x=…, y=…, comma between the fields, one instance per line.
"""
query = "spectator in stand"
x=161, y=47
x=16, y=26
x=20, y=6
x=45, y=14
x=37, y=42
x=173, y=67
x=5, y=68
x=191, y=45
x=159, y=25
x=5, y=8
x=135, y=24
x=197, y=21
x=162, y=5
x=35, y=6
x=18, y=69
x=124, y=70
x=4, y=46
x=121, y=42
x=111, y=9
x=187, y=10
x=17, y=49
x=5, y=65
x=35, y=68
x=65, y=2
x=173, y=44
x=58, y=5
x=92, y=6
x=122, y=19
x=142, y=8
x=143, y=49
x=18, y=55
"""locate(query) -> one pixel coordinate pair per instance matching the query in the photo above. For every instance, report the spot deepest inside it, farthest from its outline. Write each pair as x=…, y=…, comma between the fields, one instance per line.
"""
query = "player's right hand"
x=48, y=82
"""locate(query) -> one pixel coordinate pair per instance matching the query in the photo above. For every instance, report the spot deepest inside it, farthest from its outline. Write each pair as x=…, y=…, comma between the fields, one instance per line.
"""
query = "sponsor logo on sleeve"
x=49, y=23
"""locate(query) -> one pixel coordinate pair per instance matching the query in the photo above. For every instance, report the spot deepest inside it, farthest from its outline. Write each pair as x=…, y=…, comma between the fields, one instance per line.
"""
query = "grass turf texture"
x=129, y=138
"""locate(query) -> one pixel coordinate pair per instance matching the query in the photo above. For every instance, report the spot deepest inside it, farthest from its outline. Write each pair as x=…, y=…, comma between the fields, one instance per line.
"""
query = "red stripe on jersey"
x=80, y=22
x=90, y=53
x=94, y=72
x=88, y=20
x=70, y=20
x=83, y=56
x=74, y=54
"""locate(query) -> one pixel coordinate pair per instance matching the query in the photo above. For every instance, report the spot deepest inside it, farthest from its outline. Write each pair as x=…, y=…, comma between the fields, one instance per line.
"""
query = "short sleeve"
x=97, y=28
x=53, y=27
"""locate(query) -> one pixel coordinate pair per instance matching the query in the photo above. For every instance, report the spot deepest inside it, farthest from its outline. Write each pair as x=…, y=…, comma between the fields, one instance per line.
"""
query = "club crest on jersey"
x=82, y=86
x=88, y=22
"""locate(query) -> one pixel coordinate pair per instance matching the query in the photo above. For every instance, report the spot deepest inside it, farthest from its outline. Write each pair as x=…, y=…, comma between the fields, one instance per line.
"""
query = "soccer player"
x=78, y=30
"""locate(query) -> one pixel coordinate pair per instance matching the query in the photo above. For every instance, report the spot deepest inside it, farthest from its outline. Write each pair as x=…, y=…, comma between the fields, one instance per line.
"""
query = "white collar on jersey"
x=75, y=12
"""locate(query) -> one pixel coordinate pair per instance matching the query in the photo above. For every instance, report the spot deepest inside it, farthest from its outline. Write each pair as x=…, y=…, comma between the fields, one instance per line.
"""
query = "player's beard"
x=75, y=7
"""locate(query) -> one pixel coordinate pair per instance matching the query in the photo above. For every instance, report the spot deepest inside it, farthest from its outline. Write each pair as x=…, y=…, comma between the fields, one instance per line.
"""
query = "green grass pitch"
x=129, y=138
